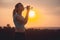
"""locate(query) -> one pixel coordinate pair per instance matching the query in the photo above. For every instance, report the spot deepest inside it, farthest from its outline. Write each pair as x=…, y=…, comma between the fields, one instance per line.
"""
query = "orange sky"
x=47, y=12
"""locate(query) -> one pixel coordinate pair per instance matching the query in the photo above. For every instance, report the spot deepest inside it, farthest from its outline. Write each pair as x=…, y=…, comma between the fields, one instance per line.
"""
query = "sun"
x=31, y=14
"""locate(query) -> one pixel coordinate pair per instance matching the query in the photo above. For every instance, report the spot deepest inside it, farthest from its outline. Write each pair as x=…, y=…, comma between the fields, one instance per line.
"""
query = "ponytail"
x=14, y=12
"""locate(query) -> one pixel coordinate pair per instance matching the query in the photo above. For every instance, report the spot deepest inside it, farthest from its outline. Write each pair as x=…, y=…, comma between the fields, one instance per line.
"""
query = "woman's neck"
x=19, y=13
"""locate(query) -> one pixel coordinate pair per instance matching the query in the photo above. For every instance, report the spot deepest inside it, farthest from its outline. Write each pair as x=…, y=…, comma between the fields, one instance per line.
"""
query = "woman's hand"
x=28, y=8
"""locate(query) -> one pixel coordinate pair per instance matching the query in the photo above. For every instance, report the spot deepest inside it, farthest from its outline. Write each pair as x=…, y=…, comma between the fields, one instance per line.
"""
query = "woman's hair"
x=13, y=12
x=17, y=6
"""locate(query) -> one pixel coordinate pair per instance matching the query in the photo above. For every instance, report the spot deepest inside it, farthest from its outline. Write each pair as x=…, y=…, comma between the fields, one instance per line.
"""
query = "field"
x=8, y=33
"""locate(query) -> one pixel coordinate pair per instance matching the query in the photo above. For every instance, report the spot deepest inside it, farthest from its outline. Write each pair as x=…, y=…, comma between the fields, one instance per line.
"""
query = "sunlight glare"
x=31, y=13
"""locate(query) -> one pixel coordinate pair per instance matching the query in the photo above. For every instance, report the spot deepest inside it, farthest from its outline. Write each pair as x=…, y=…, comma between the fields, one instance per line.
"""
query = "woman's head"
x=19, y=7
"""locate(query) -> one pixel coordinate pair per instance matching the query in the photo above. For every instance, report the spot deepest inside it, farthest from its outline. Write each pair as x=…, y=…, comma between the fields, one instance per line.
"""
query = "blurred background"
x=47, y=13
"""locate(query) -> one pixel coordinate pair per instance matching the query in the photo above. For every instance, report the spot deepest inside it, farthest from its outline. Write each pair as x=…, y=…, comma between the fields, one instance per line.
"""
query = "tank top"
x=17, y=23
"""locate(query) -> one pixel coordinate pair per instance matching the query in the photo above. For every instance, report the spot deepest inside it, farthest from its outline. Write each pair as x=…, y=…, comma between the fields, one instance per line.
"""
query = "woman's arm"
x=26, y=18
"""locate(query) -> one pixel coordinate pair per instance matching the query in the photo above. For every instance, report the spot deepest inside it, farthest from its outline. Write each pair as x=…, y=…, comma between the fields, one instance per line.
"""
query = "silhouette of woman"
x=18, y=19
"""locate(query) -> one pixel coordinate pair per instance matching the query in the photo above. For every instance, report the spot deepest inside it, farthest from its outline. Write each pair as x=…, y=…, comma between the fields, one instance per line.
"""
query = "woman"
x=18, y=19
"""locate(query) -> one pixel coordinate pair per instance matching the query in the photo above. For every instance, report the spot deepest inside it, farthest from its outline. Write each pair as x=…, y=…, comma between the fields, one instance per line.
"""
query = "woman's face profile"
x=20, y=8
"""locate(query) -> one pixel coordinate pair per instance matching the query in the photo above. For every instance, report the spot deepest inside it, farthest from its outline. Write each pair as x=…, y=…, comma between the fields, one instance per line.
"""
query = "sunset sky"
x=47, y=12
